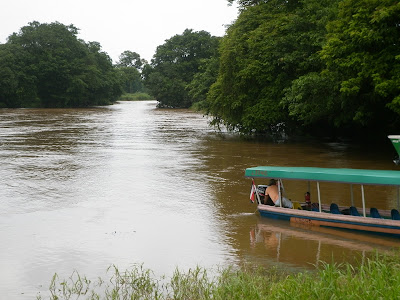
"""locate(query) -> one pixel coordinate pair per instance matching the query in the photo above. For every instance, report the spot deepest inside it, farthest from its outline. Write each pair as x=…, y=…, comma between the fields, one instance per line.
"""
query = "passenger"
x=307, y=198
x=272, y=191
x=268, y=201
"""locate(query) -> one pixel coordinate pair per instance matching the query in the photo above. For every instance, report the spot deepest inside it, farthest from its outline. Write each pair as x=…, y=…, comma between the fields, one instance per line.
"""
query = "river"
x=84, y=189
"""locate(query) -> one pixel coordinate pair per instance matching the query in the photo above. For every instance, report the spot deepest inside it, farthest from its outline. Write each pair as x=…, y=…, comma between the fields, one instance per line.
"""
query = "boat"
x=396, y=143
x=330, y=215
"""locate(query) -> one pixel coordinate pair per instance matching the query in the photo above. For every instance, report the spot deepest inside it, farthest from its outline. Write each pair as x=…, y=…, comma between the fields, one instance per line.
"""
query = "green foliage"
x=362, y=51
x=131, y=79
x=376, y=277
x=175, y=64
x=325, y=67
x=129, y=69
x=245, y=3
x=46, y=65
x=202, y=81
x=135, y=97
x=131, y=59
x=269, y=46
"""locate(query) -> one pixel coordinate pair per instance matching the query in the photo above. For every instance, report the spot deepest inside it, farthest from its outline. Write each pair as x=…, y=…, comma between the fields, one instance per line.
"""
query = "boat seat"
x=374, y=213
x=395, y=214
x=335, y=209
x=354, y=211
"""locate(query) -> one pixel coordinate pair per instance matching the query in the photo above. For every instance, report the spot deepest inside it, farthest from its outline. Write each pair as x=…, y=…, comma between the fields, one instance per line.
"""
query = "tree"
x=312, y=97
x=130, y=66
x=202, y=81
x=362, y=52
x=243, y=4
x=175, y=64
x=131, y=59
x=17, y=88
x=131, y=79
x=270, y=45
x=51, y=67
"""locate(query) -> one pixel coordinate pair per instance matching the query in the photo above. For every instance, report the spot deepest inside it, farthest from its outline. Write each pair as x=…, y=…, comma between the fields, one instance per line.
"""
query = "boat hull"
x=322, y=219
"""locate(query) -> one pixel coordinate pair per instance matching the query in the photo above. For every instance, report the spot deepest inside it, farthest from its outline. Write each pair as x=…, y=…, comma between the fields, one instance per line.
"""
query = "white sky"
x=136, y=25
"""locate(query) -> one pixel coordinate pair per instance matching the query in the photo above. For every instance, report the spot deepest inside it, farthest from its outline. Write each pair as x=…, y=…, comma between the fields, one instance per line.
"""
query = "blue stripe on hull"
x=287, y=217
x=274, y=215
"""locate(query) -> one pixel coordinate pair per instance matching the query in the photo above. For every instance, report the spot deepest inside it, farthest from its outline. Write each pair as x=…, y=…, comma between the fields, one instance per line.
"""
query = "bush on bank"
x=135, y=97
x=374, y=278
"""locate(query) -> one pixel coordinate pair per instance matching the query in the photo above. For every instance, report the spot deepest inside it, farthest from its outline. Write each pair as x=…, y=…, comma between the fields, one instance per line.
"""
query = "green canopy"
x=357, y=176
x=396, y=142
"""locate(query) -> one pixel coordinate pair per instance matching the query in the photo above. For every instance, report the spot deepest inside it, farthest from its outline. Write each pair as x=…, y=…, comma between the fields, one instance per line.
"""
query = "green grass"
x=373, y=278
x=135, y=97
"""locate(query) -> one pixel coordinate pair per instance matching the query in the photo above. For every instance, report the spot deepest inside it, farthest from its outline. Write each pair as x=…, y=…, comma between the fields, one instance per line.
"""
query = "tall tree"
x=202, y=81
x=130, y=66
x=131, y=59
x=17, y=87
x=363, y=54
x=174, y=65
x=271, y=44
x=51, y=67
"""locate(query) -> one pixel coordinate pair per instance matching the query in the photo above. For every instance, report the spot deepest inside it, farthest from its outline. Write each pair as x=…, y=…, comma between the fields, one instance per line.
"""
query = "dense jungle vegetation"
x=321, y=67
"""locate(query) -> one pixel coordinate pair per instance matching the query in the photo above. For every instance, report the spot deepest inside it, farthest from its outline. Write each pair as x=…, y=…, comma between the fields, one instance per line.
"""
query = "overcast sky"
x=119, y=25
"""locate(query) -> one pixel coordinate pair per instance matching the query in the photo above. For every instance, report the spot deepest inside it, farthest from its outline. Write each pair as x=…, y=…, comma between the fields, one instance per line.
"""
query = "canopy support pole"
x=319, y=197
x=258, y=197
x=256, y=191
x=351, y=195
x=363, y=200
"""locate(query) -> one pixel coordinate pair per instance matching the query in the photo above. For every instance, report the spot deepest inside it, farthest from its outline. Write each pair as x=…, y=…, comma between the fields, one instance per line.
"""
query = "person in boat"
x=273, y=193
x=307, y=198
x=268, y=200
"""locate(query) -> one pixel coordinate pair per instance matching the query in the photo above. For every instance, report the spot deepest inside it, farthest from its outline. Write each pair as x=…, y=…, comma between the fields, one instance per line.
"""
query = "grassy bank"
x=376, y=278
x=135, y=97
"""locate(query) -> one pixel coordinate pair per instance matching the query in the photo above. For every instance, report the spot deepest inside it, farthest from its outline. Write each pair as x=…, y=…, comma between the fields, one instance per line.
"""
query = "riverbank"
x=373, y=278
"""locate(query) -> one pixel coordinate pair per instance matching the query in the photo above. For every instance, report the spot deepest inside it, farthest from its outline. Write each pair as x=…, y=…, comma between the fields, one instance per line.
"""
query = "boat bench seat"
x=354, y=211
x=374, y=213
x=395, y=214
x=335, y=209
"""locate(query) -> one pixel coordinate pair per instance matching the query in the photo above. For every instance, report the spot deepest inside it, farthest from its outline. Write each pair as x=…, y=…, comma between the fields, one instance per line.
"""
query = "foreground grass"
x=135, y=97
x=373, y=278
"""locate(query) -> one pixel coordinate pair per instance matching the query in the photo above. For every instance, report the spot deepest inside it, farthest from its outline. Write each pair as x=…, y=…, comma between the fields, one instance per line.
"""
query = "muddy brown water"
x=84, y=189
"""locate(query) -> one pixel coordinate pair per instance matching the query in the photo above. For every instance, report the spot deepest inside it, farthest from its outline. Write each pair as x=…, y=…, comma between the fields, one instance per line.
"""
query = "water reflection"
x=306, y=246
x=86, y=188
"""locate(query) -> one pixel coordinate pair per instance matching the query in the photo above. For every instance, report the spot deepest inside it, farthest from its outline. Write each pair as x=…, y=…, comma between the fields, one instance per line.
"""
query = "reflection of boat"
x=396, y=143
x=324, y=216
x=314, y=244
x=345, y=239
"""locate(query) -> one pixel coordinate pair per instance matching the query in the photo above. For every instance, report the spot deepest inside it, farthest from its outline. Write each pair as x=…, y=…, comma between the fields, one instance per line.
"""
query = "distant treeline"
x=46, y=65
x=321, y=67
